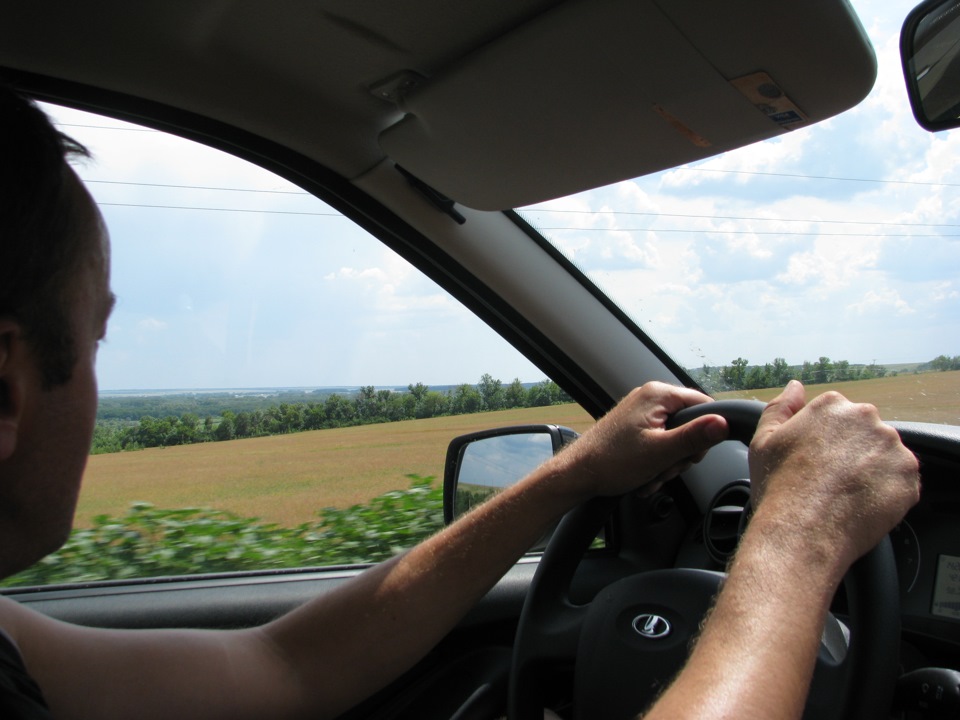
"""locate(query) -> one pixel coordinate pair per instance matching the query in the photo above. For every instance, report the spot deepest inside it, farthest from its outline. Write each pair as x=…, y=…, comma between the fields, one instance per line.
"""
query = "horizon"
x=403, y=387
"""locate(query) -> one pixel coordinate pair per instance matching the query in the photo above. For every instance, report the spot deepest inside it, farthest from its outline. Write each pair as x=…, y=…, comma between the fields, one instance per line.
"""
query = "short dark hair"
x=39, y=243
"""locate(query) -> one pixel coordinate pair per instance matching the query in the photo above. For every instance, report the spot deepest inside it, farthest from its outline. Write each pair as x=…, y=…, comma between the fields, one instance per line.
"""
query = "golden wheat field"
x=929, y=397
x=287, y=478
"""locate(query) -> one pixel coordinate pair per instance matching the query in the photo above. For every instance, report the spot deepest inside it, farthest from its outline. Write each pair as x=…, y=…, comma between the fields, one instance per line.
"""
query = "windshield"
x=829, y=254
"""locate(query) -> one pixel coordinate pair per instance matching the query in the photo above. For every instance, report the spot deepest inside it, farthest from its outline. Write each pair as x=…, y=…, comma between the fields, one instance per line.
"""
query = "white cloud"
x=881, y=301
x=942, y=292
x=777, y=155
x=832, y=263
x=375, y=274
x=152, y=324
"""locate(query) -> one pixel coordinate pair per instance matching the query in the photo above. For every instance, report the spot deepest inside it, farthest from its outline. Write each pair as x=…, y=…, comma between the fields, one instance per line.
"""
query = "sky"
x=750, y=254
x=863, y=271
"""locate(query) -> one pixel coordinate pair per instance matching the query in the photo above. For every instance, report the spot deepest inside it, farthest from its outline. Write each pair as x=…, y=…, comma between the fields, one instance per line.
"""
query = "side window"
x=277, y=388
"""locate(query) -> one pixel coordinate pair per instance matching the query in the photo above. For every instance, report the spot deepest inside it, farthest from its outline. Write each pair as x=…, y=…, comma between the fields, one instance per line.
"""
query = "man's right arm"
x=830, y=480
x=329, y=654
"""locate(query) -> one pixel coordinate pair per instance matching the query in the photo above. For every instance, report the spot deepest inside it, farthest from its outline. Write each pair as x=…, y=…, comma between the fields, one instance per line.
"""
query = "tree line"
x=367, y=406
x=116, y=431
x=740, y=375
x=943, y=363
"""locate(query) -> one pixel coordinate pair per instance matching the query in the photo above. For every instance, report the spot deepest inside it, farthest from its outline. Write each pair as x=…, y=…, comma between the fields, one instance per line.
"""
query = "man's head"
x=54, y=303
x=38, y=219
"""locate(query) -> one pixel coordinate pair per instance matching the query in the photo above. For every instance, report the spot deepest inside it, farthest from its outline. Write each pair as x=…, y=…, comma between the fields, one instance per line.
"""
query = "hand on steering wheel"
x=622, y=659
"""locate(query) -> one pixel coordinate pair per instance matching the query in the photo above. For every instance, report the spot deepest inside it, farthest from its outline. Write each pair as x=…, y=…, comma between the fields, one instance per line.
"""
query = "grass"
x=287, y=478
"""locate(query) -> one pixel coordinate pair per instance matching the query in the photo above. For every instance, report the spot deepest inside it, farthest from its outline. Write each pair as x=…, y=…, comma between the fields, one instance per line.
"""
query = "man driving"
x=829, y=481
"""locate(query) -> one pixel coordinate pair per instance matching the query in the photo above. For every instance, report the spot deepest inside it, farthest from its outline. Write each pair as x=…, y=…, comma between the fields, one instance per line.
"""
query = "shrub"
x=152, y=542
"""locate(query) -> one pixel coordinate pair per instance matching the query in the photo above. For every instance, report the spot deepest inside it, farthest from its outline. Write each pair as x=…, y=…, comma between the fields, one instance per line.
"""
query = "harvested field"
x=287, y=478
x=928, y=397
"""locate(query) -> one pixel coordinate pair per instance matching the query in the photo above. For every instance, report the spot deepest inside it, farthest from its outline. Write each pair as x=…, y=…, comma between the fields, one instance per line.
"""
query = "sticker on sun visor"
x=769, y=98
x=677, y=125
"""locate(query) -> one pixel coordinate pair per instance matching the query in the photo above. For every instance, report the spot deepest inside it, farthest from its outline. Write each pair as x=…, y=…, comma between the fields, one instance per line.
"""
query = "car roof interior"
x=586, y=92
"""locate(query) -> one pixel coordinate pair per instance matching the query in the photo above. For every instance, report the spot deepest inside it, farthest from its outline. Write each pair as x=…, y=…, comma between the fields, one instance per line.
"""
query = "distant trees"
x=434, y=404
x=515, y=395
x=367, y=405
x=942, y=363
x=740, y=375
x=546, y=393
x=822, y=370
x=210, y=420
x=491, y=392
x=780, y=373
x=735, y=375
x=466, y=399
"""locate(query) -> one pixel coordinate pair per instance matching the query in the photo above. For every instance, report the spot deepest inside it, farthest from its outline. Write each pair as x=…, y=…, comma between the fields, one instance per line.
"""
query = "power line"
x=221, y=209
x=196, y=187
x=814, y=177
x=753, y=232
x=659, y=230
x=531, y=209
x=559, y=229
x=107, y=127
x=736, y=217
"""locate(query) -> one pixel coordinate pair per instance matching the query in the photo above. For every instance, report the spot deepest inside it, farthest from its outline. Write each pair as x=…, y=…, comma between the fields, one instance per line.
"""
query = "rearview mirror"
x=481, y=464
x=930, y=52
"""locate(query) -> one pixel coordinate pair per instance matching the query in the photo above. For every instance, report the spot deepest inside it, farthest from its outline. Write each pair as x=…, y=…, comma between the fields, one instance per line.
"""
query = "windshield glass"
x=829, y=253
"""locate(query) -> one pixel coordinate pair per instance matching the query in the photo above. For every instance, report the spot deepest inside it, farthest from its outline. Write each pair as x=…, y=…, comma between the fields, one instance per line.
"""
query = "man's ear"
x=12, y=385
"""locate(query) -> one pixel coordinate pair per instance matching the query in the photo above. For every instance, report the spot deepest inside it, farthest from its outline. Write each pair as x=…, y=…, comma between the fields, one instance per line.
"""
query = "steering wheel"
x=634, y=636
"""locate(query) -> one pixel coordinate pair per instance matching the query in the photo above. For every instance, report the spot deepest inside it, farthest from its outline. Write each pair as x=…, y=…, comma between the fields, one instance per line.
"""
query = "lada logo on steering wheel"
x=652, y=627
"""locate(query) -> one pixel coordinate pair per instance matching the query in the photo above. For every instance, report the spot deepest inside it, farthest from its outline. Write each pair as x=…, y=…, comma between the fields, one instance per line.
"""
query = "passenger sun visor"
x=596, y=91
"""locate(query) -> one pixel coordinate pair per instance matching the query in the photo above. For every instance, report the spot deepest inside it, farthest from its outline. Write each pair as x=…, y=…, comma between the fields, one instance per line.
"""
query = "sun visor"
x=597, y=91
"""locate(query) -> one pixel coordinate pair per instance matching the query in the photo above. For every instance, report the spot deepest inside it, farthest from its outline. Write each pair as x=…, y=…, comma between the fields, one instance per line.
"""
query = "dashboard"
x=927, y=548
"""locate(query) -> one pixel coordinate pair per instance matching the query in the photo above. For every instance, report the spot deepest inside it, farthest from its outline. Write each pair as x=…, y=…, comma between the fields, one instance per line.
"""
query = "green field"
x=287, y=478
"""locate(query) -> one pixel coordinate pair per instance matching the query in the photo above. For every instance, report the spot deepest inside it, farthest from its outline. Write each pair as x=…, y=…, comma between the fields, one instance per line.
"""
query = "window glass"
x=829, y=253
x=277, y=387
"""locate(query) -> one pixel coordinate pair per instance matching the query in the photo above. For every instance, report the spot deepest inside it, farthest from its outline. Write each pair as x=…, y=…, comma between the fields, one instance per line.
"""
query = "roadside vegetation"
x=154, y=542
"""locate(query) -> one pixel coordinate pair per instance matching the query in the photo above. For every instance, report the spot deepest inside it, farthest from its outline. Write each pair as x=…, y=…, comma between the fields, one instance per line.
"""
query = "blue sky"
x=730, y=258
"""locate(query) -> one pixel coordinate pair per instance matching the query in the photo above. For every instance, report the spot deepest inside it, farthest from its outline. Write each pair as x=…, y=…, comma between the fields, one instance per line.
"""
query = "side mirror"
x=481, y=464
x=930, y=52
